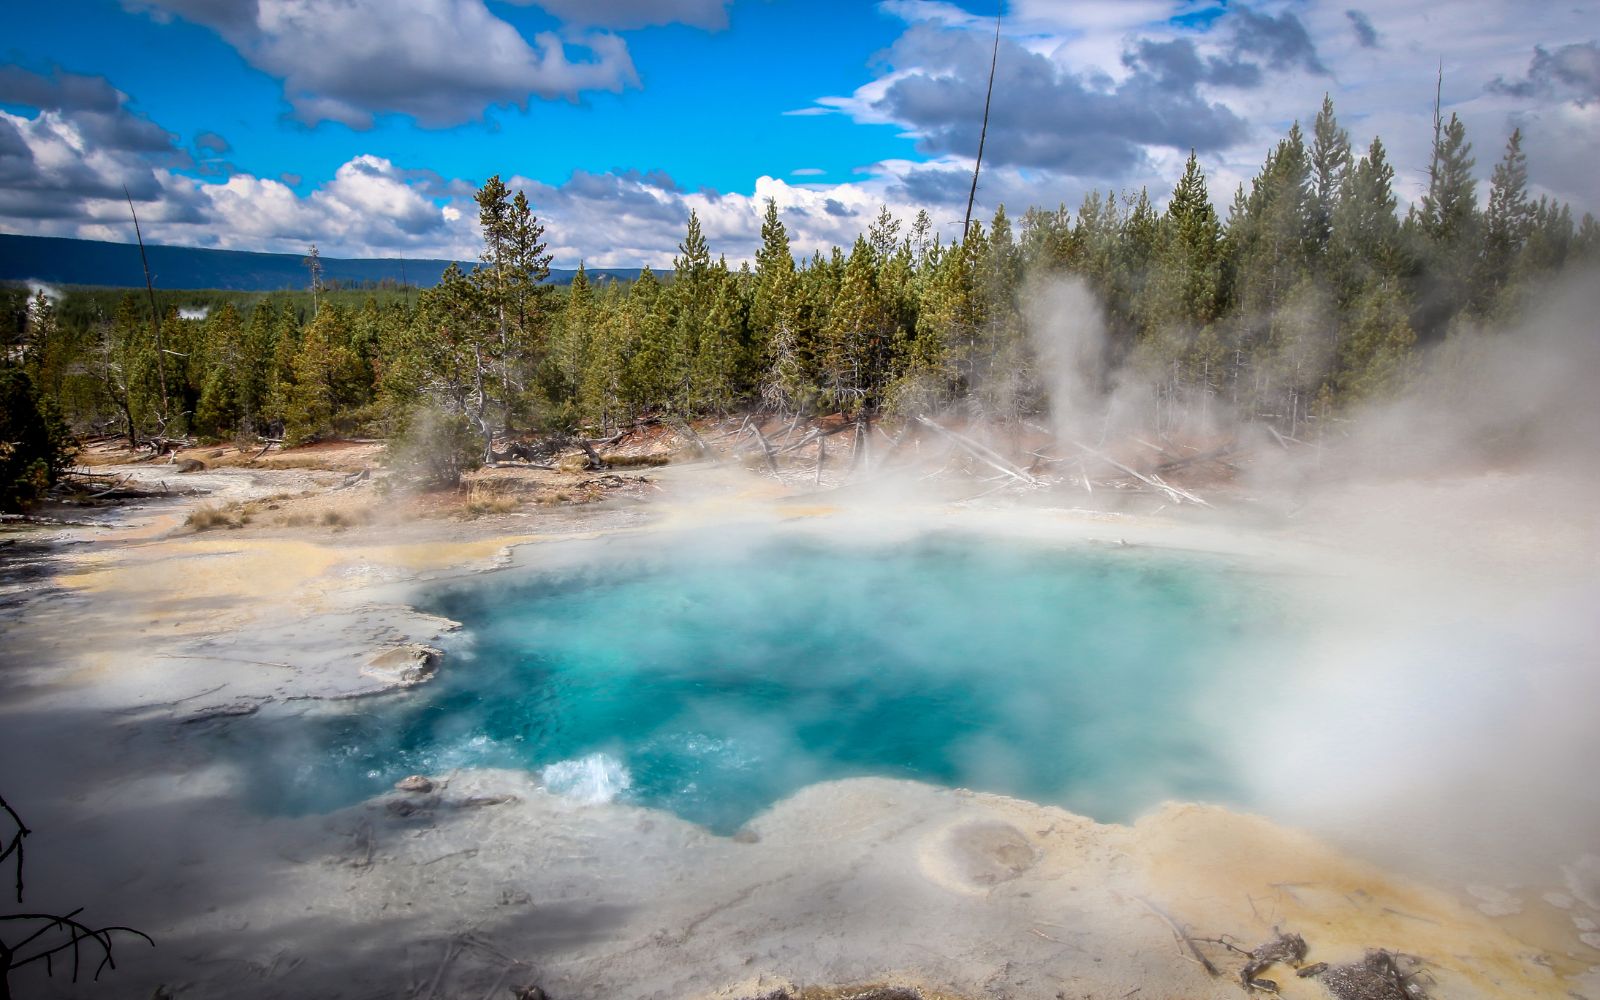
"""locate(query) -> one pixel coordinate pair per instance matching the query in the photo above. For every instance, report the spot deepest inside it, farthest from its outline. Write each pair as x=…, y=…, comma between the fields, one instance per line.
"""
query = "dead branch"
x=1205, y=456
x=986, y=455
x=1182, y=936
x=766, y=449
x=1172, y=491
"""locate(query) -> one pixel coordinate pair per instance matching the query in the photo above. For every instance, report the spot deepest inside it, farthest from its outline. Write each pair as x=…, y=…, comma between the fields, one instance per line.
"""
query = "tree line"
x=1311, y=294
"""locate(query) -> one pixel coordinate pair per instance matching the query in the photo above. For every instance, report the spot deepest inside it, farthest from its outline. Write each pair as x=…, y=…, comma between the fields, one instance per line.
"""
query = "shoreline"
x=969, y=871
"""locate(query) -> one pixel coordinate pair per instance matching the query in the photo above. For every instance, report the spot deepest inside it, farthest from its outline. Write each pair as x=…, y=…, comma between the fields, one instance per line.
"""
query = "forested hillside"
x=1311, y=294
x=59, y=261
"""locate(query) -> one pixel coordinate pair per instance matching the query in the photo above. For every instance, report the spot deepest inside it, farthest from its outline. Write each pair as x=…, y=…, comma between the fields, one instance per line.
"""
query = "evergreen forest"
x=1309, y=296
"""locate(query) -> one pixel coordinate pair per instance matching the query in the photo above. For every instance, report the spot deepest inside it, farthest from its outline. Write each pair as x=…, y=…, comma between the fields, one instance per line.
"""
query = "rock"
x=1495, y=902
x=1583, y=880
x=404, y=666
x=479, y=801
x=986, y=853
x=232, y=711
x=414, y=783
x=189, y=465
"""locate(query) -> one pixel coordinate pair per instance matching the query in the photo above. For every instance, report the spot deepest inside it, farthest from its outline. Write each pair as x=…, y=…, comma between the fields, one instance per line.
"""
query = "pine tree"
x=855, y=335
x=570, y=344
x=1365, y=245
x=1183, y=296
x=1506, y=224
x=770, y=306
x=719, y=353
x=1445, y=228
x=221, y=405
x=883, y=235
x=327, y=377
x=1376, y=350
x=1330, y=163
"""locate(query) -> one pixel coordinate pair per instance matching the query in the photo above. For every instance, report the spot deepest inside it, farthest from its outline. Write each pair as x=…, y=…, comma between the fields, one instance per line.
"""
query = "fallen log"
x=1205, y=456
x=978, y=451
x=1172, y=491
x=766, y=450
x=703, y=449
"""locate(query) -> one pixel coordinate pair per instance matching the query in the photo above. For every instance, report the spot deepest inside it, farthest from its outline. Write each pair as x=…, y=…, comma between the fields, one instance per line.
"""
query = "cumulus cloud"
x=81, y=143
x=1571, y=72
x=1361, y=24
x=1046, y=115
x=211, y=142
x=97, y=110
x=1282, y=40
x=1081, y=91
x=442, y=62
x=623, y=14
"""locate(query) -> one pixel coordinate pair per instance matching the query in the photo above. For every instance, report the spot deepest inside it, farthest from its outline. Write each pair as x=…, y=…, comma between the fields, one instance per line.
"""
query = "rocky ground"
x=252, y=584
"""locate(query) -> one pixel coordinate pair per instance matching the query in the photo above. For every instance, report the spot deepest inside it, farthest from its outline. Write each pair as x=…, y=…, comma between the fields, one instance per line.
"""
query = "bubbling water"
x=713, y=681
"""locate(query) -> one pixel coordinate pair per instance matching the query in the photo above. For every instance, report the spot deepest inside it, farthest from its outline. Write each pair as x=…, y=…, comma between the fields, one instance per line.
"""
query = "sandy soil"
x=128, y=629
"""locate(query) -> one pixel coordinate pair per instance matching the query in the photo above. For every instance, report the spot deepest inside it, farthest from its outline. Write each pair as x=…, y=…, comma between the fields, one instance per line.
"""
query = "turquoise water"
x=714, y=681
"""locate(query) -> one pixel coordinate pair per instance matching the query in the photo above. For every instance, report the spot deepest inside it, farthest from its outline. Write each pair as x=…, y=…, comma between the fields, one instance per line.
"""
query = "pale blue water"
x=718, y=682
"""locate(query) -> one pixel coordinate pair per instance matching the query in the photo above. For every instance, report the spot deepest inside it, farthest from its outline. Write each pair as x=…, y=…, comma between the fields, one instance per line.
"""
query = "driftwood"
x=986, y=455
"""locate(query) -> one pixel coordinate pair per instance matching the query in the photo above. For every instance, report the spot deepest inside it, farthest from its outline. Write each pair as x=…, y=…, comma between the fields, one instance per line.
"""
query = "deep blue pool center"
x=713, y=678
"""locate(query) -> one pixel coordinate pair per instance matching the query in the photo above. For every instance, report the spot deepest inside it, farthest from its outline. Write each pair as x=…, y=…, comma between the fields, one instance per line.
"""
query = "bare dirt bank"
x=123, y=635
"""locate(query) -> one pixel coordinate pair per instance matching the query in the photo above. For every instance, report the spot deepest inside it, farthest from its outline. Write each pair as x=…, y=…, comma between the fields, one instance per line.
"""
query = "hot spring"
x=714, y=679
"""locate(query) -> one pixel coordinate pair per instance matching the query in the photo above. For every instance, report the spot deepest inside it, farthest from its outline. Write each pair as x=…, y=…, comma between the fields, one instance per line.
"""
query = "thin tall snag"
x=983, y=133
x=155, y=314
x=978, y=451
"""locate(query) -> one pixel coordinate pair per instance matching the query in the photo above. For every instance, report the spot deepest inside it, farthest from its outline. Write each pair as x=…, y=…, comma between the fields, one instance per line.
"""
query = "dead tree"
x=43, y=936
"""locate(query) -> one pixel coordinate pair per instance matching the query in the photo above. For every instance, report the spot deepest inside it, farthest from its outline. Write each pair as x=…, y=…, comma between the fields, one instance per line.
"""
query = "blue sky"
x=363, y=125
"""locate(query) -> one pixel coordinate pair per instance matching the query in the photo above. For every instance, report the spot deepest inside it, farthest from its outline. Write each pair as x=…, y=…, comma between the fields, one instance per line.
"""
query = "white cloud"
x=1384, y=89
x=622, y=14
x=443, y=62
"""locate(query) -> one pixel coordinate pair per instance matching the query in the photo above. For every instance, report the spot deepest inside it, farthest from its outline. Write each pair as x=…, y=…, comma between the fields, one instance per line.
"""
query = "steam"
x=37, y=288
x=1066, y=328
x=1441, y=713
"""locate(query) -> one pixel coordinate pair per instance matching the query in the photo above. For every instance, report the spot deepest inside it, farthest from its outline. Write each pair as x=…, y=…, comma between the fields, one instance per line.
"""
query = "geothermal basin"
x=713, y=675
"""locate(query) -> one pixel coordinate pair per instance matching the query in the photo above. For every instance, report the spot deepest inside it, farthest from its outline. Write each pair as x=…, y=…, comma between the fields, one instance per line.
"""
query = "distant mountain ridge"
x=63, y=261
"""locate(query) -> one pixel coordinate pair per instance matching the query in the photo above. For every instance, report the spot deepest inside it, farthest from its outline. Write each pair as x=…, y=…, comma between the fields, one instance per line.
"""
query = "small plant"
x=210, y=517
x=43, y=936
x=633, y=461
x=490, y=498
x=436, y=449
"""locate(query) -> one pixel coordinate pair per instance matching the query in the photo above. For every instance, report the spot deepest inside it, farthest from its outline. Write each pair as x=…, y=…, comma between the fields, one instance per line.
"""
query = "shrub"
x=435, y=449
